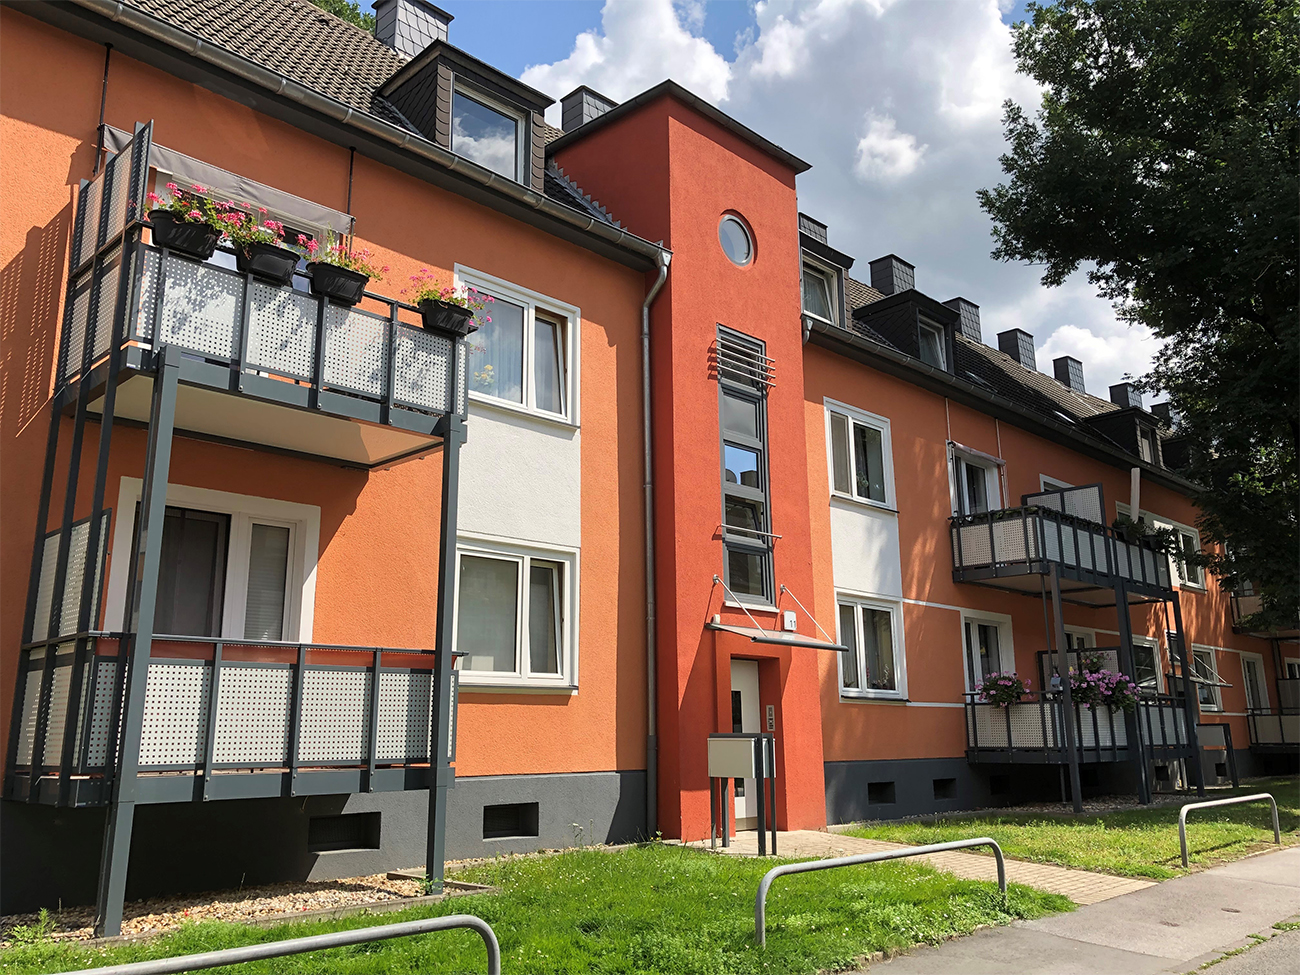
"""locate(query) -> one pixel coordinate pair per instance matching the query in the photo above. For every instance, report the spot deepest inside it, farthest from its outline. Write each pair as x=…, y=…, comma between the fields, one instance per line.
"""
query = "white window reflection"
x=485, y=135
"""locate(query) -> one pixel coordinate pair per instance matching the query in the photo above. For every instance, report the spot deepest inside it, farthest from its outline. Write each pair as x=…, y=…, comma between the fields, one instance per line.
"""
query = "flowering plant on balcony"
x=189, y=205
x=446, y=308
x=1002, y=690
x=339, y=254
x=244, y=228
x=1094, y=686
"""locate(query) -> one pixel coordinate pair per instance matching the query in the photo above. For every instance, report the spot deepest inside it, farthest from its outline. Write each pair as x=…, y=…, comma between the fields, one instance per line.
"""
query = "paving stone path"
x=1081, y=886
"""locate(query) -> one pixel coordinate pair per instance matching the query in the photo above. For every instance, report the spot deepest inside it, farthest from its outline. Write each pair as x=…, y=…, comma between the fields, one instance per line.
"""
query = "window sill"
x=469, y=685
x=873, y=697
x=515, y=409
x=863, y=503
x=752, y=607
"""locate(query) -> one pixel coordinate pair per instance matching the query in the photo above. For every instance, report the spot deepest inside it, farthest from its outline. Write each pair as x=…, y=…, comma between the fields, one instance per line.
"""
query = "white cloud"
x=897, y=104
x=640, y=43
x=885, y=154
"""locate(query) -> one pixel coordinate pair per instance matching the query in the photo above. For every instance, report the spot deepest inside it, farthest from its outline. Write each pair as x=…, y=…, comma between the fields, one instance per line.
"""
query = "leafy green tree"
x=349, y=11
x=1164, y=159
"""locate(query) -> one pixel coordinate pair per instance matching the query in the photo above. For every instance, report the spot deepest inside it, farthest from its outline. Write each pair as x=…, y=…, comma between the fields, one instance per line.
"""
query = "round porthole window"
x=734, y=237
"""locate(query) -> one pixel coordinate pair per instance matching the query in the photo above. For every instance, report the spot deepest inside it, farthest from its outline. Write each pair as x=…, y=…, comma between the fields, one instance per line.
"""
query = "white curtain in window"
x=878, y=646
x=487, y=613
x=849, y=639
x=268, y=570
x=496, y=360
x=544, y=617
x=548, y=365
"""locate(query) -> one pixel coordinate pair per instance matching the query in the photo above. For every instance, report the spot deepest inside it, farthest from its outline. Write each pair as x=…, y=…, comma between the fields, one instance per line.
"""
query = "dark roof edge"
x=672, y=89
x=488, y=188
x=452, y=52
x=895, y=363
x=935, y=309
x=825, y=251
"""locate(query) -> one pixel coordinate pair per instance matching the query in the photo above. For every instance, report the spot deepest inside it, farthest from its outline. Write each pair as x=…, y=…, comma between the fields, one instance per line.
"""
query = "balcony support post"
x=1191, y=702
x=1128, y=667
x=1054, y=581
x=142, y=592
x=441, y=775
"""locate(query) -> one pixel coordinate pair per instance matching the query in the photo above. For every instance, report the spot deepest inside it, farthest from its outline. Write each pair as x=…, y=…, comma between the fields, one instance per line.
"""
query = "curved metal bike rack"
x=1182, y=816
x=760, y=899
x=296, y=946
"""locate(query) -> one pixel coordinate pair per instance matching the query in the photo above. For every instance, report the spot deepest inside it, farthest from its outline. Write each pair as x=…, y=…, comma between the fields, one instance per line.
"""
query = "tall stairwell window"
x=743, y=375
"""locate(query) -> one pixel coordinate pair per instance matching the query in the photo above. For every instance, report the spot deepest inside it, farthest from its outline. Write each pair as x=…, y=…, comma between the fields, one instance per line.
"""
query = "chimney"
x=813, y=228
x=1069, y=372
x=970, y=317
x=409, y=26
x=1018, y=344
x=1125, y=395
x=1166, y=412
x=582, y=105
x=891, y=274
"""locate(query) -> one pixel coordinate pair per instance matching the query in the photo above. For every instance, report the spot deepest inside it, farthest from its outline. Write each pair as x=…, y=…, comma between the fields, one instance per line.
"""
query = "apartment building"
x=347, y=563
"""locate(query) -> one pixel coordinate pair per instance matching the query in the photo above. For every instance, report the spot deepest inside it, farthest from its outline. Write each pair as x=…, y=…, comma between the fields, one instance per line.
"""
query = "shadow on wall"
x=29, y=307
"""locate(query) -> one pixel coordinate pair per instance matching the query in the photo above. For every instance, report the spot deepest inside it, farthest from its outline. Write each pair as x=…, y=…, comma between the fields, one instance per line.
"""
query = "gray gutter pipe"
x=651, y=689
x=279, y=84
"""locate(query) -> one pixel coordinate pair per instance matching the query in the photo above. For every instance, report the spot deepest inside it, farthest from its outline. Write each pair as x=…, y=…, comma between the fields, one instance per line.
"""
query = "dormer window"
x=931, y=342
x=487, y=133
x=817, y=300
x=1147, y=448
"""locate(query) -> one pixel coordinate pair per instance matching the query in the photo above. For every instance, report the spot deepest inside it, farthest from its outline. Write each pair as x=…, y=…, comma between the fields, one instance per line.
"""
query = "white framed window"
x=1079, y=639
x=975, y=479
x=818, y=291
x=233, y=565
x=488, y=132
x=1189, y=541
x=987, y=646
x=860, y=456
x=873, y=666
x=1046, y=483
x=1148, y=444
x=525, y=358
x=1146, y=665
x=1205, y=666
x=516, y=614
x=1292, y=667
x=1254, y=682
x=931, y=341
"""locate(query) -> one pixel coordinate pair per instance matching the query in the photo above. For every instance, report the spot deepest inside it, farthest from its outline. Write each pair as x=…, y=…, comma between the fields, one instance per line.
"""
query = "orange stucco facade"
x=669, y=171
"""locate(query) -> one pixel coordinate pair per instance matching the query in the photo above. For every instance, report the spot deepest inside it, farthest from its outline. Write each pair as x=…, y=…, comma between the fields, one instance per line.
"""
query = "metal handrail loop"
x=785, y=869
x=316, y=942
x=1182, y=816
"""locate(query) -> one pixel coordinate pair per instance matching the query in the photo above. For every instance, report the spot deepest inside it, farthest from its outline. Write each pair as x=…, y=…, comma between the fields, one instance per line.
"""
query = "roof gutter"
x=903, y=366
x=278, y=84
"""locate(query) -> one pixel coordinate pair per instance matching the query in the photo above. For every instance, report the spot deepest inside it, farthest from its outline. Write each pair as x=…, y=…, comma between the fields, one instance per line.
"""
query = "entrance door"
x=744, y=718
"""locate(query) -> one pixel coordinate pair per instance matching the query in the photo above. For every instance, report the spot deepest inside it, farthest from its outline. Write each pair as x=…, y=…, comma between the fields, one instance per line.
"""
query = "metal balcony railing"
x=1023, y=540
x=278, y=342
x=320, y=718
x=1033, y=729
x=1277, y=728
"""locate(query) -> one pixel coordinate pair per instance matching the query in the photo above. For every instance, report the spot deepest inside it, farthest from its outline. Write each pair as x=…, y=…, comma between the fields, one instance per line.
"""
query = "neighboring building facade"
x=827, y=457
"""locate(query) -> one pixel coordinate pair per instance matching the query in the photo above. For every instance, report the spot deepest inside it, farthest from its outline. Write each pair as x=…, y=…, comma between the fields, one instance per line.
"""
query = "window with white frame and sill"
x=524, y=353
x=1206, y=669
x=988, y=647
x=861, y=460
x=515, y=609
x=232, y=566
x=976, y=482
x=488, y=132
x=1146, y=665
x=1188, y=573
x=819, y=287
x=931, y=339
x=872, y=664
x=1254, y=682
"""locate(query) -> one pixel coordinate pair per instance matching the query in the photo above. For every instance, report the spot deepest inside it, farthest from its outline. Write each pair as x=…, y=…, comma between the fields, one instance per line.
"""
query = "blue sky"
x=897, y=104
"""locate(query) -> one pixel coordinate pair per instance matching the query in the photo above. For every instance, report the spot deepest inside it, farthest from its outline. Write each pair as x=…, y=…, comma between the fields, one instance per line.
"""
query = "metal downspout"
x=651, y=742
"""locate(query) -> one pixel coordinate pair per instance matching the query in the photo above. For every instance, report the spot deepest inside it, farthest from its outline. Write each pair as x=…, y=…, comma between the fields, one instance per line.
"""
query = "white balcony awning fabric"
x=778, y=637
x=293, y=210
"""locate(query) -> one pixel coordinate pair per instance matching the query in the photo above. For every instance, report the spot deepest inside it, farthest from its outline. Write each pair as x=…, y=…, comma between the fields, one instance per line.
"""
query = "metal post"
x=759, y=784
x=442, y=776
x=210, y=737
x=771, y=785
x=1128, y=666
x=1054, y=580
x=143, y=594
x=1191, y=703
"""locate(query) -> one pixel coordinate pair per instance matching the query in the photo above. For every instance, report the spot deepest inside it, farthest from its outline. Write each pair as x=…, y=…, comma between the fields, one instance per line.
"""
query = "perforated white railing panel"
x=282, y=331
x=405, y=706
x=106, y=303
x=147, y=301
x=75, y=345
x=31, y=702
x=335, y=716
x=421, y=368
x=356, y=349
x=175, y=714
x=253, y=716
x=90, y=222
x=101, y=715
x=201, y=309
x=57, y=715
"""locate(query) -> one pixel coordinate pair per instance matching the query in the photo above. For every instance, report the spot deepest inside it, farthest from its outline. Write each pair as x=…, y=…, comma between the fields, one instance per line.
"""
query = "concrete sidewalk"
x=1081, y=886
x=1175, y=926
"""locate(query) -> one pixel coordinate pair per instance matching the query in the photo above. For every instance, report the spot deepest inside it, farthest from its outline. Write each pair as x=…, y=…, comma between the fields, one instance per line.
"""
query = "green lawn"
x=649, y=909
x=1132, y=843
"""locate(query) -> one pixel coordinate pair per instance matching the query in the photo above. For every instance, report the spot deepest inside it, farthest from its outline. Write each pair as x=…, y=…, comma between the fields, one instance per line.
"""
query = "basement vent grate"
x=510, y=820
x=349, y=831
